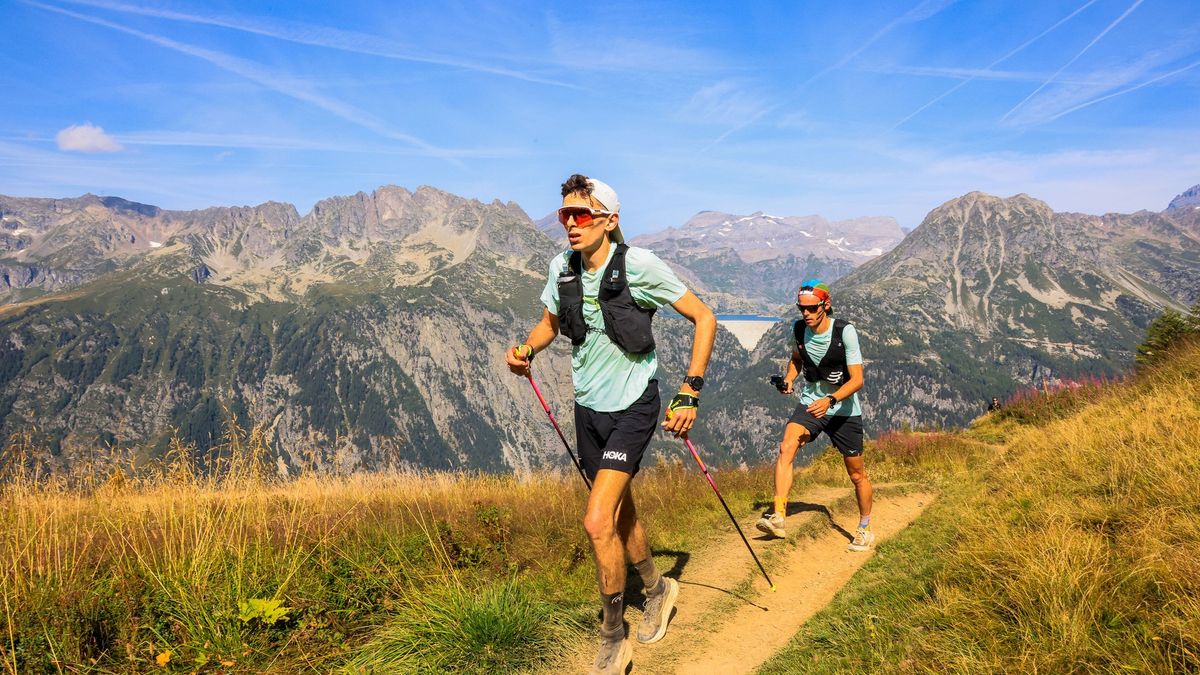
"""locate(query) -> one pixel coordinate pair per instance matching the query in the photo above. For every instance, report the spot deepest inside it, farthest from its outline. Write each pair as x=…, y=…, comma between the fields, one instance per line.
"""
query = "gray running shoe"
x=863, y=539
x=656, y=613
x=772, y=523
x=615, y=655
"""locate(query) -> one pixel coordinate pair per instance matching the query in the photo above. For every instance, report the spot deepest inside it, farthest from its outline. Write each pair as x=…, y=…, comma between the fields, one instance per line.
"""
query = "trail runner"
x=827, y=354
x=602, y=295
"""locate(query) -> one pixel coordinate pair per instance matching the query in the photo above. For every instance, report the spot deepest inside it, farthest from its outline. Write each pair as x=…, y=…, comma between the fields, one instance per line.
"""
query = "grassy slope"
x=1075, y=551
x=386, y=572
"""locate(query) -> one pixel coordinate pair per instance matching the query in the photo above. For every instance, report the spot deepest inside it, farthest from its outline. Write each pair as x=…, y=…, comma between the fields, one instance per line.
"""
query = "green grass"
x=500, y=628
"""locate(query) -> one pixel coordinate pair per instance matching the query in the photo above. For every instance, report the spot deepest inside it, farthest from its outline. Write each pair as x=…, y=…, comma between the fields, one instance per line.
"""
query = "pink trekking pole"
x=546, y=407
x=713, y=483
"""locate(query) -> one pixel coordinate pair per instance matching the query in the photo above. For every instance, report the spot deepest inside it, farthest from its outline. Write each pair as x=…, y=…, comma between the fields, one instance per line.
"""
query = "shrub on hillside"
x=1170, y=328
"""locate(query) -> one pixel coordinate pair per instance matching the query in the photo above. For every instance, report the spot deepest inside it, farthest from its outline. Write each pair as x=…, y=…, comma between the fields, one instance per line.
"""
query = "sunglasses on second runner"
x=809, y=309
x=583, y=215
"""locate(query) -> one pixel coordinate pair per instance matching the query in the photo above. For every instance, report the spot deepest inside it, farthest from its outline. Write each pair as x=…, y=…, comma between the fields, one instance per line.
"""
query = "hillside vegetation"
x=1064, y=541
x=240, y=571
x=1075, y=551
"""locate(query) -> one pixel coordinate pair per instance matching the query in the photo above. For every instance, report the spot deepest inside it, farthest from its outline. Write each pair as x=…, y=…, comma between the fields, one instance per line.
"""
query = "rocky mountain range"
x=989, y=295
x=363, y=333
x=752, y=263
x=368, y=332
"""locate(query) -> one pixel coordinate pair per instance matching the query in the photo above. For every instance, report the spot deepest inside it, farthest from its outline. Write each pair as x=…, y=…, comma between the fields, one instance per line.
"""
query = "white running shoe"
x=656, y=613
x=863, y=539
x=614, y=657
x=772, y=523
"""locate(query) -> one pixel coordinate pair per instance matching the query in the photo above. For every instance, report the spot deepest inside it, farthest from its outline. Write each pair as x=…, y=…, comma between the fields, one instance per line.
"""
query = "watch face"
x=694, y=381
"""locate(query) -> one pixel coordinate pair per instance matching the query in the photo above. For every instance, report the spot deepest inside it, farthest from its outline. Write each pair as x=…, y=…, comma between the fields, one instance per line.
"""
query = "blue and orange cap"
x=815, y=288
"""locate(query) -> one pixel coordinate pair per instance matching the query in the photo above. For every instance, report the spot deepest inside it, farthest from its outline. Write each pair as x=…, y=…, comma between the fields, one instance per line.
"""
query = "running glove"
x=682, y=401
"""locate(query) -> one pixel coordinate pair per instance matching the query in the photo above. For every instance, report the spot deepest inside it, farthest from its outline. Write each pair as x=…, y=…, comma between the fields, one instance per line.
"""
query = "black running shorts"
x=616, y=440
x=846, y=433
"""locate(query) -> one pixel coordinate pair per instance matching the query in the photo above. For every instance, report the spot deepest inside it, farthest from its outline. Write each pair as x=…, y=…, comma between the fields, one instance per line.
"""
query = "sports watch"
x=832, y=400
x=694, y=381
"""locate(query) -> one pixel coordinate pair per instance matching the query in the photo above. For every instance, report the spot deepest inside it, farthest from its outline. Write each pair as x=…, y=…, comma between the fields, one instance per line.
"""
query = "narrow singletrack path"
x=728, y=621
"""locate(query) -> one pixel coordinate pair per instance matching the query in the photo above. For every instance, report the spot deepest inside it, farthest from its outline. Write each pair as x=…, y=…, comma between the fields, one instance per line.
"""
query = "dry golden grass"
x=116, y=571
x=123, y=571
x=1078, y=550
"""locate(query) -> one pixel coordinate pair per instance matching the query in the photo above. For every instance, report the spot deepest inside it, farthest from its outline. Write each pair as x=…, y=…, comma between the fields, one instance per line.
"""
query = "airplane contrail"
x=1066, y=65
x=997, y=62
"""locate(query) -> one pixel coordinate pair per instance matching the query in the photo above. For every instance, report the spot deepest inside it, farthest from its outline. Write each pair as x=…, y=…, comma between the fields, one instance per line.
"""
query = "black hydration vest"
x=626, y=323
x=832, y=368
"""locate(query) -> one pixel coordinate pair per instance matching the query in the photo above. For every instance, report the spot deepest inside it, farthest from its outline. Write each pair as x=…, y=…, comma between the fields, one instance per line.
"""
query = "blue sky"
x=842, y=109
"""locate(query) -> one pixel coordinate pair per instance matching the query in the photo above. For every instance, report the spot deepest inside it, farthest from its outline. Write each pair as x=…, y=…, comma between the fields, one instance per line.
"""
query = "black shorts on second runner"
x=616, y=440
x=846, y=432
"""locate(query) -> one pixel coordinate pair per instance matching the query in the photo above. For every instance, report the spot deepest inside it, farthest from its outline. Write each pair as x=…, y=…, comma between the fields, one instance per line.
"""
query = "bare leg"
x=630, y=530
x=794, y=437
x=608, y=491
x=857, y=469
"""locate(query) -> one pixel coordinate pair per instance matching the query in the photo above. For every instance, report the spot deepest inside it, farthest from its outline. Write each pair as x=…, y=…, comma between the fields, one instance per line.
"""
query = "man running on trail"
x=602, y=295
x=827, y=354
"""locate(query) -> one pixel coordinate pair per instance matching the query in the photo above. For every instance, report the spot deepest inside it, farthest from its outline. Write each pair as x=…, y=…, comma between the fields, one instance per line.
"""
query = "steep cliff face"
x=365, y=333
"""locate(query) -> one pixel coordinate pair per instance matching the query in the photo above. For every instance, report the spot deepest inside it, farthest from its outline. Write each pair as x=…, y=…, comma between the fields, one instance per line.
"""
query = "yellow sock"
x=781, y=506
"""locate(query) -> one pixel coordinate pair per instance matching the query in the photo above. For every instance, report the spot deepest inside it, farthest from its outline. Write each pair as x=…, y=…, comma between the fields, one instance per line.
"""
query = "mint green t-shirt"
x=606, y=378
x=817, y=346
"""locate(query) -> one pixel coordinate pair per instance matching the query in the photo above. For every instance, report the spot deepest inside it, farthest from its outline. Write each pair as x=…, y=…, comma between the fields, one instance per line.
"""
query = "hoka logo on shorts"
x=618, y=456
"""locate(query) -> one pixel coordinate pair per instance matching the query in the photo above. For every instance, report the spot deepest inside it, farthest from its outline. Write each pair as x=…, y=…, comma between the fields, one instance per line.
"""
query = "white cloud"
x=268, y=79
x=321, y=36
x=86, y=137
x=724, y=103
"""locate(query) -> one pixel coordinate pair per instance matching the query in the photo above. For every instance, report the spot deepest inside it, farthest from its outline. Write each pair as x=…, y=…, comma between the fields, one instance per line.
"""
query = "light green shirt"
x=817, y=346
x=606, y=378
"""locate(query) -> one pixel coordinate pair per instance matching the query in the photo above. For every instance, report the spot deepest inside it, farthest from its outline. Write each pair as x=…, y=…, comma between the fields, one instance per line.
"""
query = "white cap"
x=607, y=197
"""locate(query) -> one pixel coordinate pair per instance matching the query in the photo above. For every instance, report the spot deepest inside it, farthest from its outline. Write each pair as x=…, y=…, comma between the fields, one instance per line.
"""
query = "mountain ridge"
x=369, y=329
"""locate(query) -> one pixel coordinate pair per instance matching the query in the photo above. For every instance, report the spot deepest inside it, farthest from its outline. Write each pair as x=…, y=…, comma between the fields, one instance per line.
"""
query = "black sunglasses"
x=810, y=309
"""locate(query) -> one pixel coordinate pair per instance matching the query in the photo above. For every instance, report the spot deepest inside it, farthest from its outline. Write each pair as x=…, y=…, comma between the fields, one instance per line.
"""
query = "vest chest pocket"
x=570, y=308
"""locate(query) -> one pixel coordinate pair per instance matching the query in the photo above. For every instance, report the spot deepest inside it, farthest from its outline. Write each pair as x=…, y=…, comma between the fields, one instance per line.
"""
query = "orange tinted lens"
x=582, y=218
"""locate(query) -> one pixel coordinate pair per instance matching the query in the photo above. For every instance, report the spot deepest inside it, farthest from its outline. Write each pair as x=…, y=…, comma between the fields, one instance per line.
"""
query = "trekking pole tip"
x=772, y=588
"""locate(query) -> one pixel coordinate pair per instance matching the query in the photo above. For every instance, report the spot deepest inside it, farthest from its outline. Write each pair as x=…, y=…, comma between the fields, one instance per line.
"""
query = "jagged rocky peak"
x=263, y=246
x=1189, y=198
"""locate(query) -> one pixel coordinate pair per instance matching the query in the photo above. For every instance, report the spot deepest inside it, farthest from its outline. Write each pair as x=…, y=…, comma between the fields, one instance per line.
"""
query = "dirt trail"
x=728, y=621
